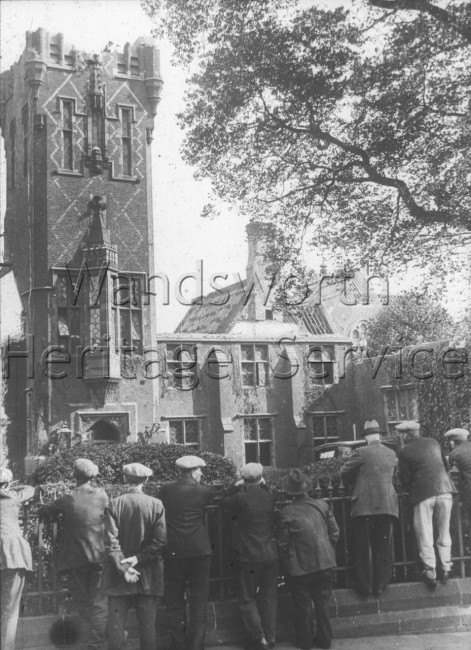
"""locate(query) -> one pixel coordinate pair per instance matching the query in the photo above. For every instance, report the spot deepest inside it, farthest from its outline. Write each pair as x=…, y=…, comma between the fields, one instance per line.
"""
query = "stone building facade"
x=77, y=130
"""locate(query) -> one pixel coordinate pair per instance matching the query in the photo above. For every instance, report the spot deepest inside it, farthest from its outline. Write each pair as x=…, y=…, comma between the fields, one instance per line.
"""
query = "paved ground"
x=438, y=641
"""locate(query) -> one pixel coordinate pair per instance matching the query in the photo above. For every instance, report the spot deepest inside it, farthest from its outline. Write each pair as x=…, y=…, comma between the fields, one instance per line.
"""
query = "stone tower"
x=77, y=131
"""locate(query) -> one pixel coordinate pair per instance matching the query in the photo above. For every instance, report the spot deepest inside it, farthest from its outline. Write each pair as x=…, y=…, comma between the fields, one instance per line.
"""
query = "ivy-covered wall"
x=437, y=373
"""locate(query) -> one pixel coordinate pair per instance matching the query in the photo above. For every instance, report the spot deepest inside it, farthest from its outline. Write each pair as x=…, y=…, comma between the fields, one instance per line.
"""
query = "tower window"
x=127, y=307
x=68, y=134
x=126, y=140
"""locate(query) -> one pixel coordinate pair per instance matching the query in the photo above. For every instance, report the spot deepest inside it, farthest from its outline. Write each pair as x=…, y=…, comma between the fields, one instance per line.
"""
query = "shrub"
x=110, y=458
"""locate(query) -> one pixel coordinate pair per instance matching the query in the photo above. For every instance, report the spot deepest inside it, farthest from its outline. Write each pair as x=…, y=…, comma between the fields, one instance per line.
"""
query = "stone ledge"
x=403, y=608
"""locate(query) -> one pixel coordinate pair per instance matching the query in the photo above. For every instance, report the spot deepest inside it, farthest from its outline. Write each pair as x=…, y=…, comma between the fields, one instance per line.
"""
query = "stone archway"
x=103, y=430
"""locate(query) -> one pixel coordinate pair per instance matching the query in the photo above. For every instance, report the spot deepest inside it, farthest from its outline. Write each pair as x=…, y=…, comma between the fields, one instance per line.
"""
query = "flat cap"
x=457, y=434
x=371, y=426
x=85, y=468
x=251, y=472
x=189, y=462
x=137, y=470
x=5, y=475
x=407, y=425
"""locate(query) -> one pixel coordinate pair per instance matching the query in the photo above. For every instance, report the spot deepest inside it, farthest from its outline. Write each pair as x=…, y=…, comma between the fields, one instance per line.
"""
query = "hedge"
x=110, y=458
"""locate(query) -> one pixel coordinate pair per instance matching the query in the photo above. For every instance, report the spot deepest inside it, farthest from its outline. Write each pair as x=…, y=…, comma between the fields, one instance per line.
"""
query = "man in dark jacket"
x=423, y=472
x=255, y=556
x=461, y=457
x=187, y=555
x=15, y=555
x=374, y=509
x=135, y=535
x=307, y=534
x=81, y=552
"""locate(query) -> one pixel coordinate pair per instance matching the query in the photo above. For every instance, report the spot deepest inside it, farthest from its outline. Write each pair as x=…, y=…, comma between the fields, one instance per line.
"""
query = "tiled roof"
x=313, y=318
x=212, y=316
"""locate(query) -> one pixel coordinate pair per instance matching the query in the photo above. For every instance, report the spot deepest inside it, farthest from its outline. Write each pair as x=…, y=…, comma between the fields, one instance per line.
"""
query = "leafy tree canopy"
x=348, y=125
x=410, y=318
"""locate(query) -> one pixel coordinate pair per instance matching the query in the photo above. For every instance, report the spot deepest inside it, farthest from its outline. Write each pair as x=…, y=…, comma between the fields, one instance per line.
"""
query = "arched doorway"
x=105, y=431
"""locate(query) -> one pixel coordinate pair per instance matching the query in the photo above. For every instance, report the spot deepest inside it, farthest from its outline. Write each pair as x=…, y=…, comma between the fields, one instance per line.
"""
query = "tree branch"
x=441, y=15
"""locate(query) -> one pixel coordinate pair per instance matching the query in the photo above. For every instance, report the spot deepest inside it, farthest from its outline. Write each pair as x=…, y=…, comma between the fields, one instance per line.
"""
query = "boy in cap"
x=135, y=535
x=255, y=556
x=81, y=552
x=374, y=508
x=307, y=535
x=187, y=555
x=423, y=472
x=15, y=555
x=461, y=457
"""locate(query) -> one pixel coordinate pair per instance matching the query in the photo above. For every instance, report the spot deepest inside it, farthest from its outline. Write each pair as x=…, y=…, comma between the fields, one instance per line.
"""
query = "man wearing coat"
x=15, y=556
x=255, y=556
x=81, y=553
x=307, y=534
x=135, y=534
x=374, y=508
x=461, y=457
x=187, y=555
x=423, y=472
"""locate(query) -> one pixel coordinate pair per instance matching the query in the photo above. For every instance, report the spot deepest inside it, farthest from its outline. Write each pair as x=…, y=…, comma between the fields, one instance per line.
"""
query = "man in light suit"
x=423, y=472
x=82, y=551
x=374, y=508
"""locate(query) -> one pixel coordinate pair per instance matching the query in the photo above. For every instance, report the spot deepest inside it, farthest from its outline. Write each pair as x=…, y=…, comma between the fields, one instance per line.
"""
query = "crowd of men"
x=116, y=552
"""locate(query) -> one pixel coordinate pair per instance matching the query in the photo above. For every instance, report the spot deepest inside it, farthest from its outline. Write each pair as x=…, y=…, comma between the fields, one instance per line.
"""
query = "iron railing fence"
x=46, y=591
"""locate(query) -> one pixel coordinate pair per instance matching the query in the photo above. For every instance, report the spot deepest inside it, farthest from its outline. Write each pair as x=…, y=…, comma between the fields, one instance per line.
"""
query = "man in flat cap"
x=255, y=555
x=423, y=472
x=15, y=555
x=461, y=457
x=81, y=552
x=374, y=509
x=187, y=555
x=307, y=535
x=135, y=535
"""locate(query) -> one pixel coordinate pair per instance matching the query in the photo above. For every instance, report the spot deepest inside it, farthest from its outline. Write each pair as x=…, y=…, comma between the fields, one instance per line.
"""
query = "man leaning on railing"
x=15, y=555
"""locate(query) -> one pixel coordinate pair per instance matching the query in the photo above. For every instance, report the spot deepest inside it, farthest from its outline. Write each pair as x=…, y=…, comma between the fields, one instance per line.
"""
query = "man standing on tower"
x=374, y=508
x=423, y=472
x=187, y=555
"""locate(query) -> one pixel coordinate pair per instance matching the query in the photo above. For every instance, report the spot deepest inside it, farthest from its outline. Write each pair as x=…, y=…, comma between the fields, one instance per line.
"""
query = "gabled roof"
x=219, y=311
x=216, y=312
x=313, y=318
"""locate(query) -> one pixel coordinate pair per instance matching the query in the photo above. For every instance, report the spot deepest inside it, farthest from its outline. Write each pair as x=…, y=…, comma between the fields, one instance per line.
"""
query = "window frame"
x=184, y=421
x=127, y=140
x=324, y=415
x=326, y=378
x=412, y=405
x=130, y=307
x=268, y=442
x=255, y=365
x=69, y=131
x=184, y=372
